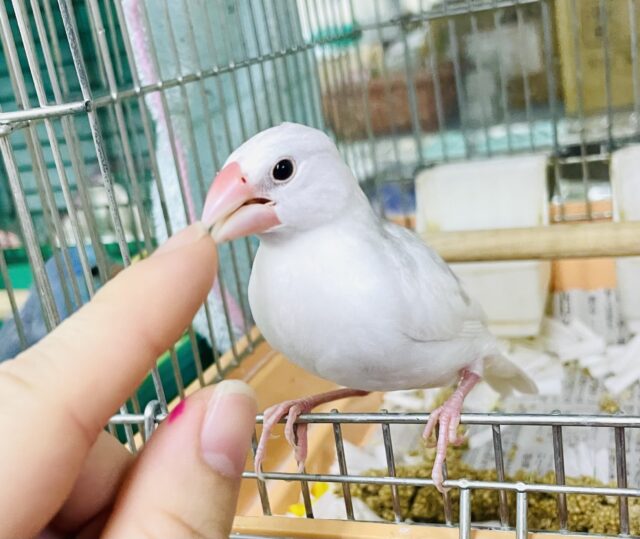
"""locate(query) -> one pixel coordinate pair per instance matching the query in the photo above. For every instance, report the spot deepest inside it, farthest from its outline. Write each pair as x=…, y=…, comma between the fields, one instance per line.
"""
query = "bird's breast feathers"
x=341, y=307
x=306, y=298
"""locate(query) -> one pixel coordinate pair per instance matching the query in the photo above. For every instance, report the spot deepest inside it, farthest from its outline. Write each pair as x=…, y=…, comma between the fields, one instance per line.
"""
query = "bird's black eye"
x=95, y=272
x=283, y=170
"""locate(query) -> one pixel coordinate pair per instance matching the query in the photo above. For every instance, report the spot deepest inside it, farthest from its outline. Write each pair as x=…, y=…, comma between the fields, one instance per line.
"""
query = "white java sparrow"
x=349, y=297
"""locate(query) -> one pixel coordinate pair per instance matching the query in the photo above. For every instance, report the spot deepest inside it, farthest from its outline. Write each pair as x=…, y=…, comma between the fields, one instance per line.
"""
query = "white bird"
x=344, y=294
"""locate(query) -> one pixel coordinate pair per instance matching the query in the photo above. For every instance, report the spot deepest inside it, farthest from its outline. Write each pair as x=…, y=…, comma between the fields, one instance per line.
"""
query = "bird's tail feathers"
x=504, y=376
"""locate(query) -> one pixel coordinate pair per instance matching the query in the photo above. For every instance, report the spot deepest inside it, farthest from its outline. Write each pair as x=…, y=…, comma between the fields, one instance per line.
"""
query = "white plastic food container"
x=494, y=193
x=625, y=182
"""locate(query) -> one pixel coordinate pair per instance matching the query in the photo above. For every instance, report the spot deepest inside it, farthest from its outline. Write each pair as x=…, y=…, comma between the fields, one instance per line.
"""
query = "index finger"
x=57, y=396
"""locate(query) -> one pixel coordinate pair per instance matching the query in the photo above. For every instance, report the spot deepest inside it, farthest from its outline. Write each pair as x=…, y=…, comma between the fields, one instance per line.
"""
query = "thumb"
x=186, y=481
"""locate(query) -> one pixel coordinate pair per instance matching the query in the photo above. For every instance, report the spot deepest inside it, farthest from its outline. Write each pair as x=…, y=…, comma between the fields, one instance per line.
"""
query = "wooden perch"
x=576, y=240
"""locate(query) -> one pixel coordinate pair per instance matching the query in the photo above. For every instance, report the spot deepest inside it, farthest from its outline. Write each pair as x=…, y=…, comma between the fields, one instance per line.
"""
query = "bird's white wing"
x=437, y=306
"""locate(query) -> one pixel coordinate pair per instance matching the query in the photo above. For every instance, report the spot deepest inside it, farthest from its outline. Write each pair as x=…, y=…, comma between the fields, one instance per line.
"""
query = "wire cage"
x=115, y=116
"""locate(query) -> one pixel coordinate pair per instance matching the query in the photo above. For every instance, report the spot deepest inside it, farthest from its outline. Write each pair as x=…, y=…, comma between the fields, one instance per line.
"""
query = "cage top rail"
x=553, y=419
x=463, y=484
x=548, y=420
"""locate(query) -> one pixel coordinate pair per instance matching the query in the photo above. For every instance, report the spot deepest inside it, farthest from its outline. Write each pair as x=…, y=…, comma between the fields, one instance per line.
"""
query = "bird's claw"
x=447, y=421
x=291, y=429
x=447, y=417
x=438, y=480
x=295, y=434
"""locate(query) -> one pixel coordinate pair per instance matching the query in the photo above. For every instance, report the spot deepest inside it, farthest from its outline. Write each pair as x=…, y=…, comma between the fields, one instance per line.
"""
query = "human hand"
x=61, y=472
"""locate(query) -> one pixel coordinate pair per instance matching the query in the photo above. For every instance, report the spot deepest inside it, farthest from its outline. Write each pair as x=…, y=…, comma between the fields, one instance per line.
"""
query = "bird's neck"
x=360, y=210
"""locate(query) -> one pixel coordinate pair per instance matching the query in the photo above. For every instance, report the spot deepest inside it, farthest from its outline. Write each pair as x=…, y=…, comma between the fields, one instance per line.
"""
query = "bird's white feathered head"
x=287, y=178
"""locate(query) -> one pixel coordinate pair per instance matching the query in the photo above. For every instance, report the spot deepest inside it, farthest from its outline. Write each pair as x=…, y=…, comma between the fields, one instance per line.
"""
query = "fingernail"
x=186, y=236
x=177, y=411
x=227, y=427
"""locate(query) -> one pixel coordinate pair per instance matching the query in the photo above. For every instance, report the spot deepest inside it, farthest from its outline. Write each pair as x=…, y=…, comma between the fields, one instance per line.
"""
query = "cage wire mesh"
x=115, y=116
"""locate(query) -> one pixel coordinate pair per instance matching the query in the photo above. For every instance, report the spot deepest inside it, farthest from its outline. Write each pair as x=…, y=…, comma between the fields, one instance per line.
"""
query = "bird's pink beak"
x=233, y=209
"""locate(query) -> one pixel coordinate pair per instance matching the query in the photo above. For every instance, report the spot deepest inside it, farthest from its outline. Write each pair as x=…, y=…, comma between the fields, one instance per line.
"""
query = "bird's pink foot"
x=296, y=434
x=447, y=417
